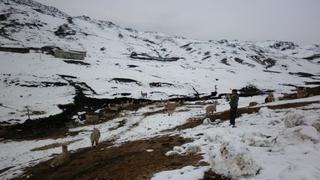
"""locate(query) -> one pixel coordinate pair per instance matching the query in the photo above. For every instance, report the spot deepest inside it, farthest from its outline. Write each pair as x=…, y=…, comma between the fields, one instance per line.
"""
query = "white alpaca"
x=94, y=137
x=92, y=119
x=211, y=109
x=61, y=158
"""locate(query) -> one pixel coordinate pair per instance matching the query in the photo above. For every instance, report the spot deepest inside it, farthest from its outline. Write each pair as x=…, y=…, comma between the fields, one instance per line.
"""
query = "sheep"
x=94, y=137
x=144, y=94
x=61, y=158
x=171, y=107
x=92, y=119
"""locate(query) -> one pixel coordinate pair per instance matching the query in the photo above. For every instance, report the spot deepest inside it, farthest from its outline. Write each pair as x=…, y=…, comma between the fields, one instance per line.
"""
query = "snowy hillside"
x=202, y=64
x=122, y=62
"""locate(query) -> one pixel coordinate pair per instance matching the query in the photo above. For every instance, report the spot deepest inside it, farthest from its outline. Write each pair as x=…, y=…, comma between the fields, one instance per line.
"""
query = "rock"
x=253, y=103
x=64, y=30
x=250, y=90
x=192, y=149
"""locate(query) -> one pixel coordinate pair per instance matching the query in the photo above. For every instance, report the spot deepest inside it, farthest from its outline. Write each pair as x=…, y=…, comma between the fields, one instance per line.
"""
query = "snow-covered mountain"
x=278, y=140
x=34, y=79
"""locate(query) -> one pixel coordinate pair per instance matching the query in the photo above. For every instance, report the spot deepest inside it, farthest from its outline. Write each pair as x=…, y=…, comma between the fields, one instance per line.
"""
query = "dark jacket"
x=234, y=101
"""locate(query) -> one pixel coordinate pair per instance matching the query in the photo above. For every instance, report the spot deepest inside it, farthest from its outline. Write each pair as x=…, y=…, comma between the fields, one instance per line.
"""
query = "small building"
x=70, y=54
x=15, y=49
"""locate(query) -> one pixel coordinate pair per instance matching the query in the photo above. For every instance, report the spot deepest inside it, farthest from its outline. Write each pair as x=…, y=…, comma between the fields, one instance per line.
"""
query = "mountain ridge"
x=113, y=52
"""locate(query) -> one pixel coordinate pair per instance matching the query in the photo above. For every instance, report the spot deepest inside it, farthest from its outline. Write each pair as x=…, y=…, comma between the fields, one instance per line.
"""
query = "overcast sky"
x=292, y=20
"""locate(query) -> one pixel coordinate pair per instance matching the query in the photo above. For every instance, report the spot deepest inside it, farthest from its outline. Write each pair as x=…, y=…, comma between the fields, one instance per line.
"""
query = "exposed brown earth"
x=128, y=161
x=132, y=160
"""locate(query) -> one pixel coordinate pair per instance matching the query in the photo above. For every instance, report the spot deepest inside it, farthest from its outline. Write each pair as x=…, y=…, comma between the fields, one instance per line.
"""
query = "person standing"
x=234, y=98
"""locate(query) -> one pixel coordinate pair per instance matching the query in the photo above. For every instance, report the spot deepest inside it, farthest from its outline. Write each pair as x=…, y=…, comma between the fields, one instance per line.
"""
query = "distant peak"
x=44, y=9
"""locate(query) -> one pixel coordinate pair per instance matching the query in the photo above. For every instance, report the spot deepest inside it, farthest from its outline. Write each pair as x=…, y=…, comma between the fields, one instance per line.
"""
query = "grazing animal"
x=211, y=109
x=302, y=93
x=270, y=98
x=171, y=107
x=253, y=103
x=61, y=158
x=94, y=137
x=144, y=94
x=92, y=119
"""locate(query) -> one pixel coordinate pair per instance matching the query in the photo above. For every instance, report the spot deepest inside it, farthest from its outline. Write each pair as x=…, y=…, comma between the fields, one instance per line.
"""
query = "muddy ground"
x=128, y=161
x=56, y=126
x=132, y=160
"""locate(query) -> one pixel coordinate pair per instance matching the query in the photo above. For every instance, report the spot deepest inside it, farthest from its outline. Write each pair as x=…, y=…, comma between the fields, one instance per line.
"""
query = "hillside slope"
x=34, y=79
x=278, y=140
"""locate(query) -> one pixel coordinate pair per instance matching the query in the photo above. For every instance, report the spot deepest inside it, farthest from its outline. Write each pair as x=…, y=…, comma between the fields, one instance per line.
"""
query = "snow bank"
x=234, y=160
x=293, y=120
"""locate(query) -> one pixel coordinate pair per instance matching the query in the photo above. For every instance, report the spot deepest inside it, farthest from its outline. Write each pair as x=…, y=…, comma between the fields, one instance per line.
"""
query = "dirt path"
x=128, y=161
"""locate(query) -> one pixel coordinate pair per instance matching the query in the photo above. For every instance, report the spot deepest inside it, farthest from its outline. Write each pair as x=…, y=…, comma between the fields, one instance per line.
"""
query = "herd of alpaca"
x=64, y=156
x=170, y=108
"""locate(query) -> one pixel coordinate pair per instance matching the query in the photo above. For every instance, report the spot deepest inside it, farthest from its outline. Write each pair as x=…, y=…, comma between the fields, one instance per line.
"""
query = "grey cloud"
x=293, y=20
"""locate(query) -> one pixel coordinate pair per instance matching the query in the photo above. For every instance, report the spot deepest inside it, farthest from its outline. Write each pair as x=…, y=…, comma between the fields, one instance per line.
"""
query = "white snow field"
x=271, y=144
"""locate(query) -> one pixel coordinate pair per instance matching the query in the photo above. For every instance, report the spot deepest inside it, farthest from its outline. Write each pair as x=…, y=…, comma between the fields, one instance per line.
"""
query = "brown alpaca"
x=94, y=137
x=61, y=158
x=170, y=107
x=92, y=119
